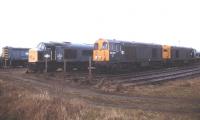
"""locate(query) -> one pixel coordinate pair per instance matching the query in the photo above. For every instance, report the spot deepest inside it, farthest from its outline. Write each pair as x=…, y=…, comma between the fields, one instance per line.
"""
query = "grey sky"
x=25, y=23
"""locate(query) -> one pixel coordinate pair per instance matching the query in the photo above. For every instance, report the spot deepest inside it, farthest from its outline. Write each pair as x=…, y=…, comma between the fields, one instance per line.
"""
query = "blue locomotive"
x=14, y=57
x=76, y=56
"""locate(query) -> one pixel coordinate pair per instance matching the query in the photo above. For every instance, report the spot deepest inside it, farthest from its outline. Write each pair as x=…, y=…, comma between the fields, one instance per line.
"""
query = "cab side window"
x=115, y=46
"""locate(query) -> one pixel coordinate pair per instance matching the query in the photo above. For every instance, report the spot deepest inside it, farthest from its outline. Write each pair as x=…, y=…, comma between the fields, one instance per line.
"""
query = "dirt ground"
x=58, y=96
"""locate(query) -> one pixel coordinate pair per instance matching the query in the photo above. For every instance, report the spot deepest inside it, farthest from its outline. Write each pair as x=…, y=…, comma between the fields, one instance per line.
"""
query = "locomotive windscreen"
x=105, y=46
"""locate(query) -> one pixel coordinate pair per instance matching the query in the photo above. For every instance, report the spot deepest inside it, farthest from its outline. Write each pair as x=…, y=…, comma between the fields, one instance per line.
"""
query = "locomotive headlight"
x=59, y=56
x=112, y=53
x=96, y=57
x=122, y=52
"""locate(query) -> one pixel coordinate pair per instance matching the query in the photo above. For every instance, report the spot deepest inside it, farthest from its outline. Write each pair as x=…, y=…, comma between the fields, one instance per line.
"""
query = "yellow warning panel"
x=33, y=55
x=166, y=52
x=101, y=50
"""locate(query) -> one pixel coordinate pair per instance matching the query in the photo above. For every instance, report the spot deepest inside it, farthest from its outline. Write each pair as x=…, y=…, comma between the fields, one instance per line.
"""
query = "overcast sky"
x=25, y=23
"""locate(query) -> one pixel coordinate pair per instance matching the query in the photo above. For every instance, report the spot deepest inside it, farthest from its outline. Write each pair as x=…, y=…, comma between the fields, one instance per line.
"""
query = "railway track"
x=156, y=77
x=145, y=72
x=129, y=79
x=168, y=76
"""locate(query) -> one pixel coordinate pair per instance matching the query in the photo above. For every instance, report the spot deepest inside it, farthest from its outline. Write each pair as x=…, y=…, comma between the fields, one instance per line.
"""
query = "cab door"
x=59, y=53
x=48, y=52
x=116, y=52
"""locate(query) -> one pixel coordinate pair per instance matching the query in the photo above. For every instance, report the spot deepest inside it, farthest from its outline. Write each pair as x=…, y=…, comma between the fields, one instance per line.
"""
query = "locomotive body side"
x=125, y=55
x=77, y=56
x=148, y=54
x=182, y=55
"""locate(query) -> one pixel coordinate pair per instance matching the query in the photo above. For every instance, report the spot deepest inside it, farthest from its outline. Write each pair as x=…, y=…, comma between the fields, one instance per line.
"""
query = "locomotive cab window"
x=41, y=46
x=115, y=47
x=105, y=46
x=96, y=46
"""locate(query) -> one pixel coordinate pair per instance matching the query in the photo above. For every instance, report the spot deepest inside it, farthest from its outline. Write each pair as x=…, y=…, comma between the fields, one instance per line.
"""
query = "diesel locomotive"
x=76, y=56
x=115, y=54
x=13, y=57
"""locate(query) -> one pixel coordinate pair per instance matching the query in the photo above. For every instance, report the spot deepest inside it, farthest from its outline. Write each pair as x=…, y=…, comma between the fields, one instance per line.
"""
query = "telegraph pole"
x=90, y=69
x=46, y=62
x=6, y=56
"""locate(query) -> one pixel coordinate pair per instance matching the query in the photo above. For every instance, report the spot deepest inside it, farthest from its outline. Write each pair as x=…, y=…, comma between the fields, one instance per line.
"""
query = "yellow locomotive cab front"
x=101, y=51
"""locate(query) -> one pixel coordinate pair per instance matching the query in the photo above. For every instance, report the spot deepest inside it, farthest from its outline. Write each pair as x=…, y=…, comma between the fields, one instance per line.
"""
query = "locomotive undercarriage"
x=113, y=67
x=54, y=66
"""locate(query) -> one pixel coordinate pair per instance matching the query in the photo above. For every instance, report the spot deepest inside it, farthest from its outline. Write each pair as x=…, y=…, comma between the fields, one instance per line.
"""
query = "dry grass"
x=179, y=88
x=18, y=103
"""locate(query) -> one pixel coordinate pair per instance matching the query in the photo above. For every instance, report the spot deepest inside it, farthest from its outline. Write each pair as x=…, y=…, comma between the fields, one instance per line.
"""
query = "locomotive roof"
x=63, y=44
x=7, y=47
x=131, y=42
x=180, y=47
x=140, y=43
x=81, y=46
x=54, y=43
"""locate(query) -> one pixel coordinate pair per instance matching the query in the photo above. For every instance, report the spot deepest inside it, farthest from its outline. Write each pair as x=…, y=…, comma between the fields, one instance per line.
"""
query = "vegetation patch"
x=20, y=103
